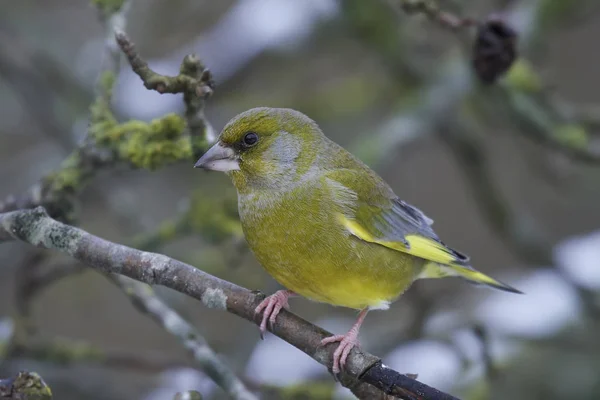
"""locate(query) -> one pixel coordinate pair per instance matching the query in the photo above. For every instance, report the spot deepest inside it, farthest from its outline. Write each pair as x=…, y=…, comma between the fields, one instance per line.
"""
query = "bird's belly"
x=323, y=263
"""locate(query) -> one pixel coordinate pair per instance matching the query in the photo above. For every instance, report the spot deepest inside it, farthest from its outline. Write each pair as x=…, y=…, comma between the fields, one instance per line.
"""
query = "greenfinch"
x=323, y=224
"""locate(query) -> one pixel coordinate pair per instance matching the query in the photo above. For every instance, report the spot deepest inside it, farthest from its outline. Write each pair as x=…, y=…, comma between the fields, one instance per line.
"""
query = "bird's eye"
x=250, y=139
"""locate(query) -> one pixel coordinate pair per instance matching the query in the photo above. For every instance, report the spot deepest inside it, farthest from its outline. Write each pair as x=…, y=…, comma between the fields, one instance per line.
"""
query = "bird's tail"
x=435, y=270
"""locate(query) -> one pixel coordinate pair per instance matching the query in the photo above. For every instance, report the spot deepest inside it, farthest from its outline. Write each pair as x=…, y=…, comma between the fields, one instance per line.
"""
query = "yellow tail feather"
x=434, y=270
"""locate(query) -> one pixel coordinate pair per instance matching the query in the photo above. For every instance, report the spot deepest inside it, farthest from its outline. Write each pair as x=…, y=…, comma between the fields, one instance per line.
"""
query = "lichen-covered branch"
x=194, y=81
x=146, y=301
x=37, y=228
x=25, y=386
x=185, y=82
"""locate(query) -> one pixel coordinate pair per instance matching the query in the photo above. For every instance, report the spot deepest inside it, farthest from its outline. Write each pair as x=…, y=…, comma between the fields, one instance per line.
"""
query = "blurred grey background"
x=387, y=86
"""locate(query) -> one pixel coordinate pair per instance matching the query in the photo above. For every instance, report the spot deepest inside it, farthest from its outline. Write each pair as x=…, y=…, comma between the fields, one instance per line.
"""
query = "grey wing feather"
x=418, y=215
x=404, y=219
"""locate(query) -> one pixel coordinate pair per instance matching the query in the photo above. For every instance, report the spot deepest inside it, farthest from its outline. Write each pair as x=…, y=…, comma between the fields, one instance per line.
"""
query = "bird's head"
x=265, y=148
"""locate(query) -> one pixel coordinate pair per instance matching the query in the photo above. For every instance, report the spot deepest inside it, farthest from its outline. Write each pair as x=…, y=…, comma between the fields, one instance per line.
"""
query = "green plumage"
x=321, y=222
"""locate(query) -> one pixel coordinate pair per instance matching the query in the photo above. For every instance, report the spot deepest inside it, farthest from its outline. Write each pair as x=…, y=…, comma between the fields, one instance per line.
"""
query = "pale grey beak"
x=219, y=158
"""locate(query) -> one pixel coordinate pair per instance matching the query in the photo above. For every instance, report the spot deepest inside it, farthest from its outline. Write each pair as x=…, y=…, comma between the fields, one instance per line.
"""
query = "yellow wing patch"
x=443, y=262
x=419, y=246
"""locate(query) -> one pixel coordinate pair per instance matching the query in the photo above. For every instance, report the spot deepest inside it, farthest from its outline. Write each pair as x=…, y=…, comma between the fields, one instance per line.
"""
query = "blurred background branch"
x=145, y=300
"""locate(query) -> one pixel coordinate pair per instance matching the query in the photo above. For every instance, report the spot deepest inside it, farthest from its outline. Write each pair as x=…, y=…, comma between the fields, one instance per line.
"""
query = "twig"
x=114, y=20
x=433, y=11
x=146, y=301
x=202, y=85
x=194, y=81
x=37, y=228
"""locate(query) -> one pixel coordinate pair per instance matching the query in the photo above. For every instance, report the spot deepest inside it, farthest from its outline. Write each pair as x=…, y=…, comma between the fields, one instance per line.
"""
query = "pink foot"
x=272, y=305
x=347, y=343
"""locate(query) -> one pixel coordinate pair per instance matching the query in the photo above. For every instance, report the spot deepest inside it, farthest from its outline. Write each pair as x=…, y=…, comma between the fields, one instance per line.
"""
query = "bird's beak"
x=219, y=158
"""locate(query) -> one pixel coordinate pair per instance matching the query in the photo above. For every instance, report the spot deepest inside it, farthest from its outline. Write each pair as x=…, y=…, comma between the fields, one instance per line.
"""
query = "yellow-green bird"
x=323, y=224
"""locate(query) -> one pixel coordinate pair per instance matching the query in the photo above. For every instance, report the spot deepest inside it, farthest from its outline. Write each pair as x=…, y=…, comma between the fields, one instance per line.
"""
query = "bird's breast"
x=298, y=240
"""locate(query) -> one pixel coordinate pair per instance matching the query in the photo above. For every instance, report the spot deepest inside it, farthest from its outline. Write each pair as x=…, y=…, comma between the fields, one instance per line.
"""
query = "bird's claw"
x=340, y=355
x=270, y=308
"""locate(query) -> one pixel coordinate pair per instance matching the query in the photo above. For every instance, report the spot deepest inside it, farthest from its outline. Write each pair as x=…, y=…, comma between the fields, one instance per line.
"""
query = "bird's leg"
x=347, y=343
x=271, y=306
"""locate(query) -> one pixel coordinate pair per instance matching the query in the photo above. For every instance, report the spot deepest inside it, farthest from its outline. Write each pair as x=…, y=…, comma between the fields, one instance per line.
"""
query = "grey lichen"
x=155, y=265
x=215, y=298
x=37, y=228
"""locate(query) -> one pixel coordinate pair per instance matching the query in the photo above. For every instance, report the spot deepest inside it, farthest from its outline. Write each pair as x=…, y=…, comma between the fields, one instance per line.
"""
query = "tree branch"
x=37, y=228
x=194, y=81
x=182, y=83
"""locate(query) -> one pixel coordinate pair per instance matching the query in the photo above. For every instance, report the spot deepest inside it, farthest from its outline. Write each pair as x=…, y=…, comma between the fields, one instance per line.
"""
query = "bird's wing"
x=373, y=213
x=401, y=227
x=378, y=216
